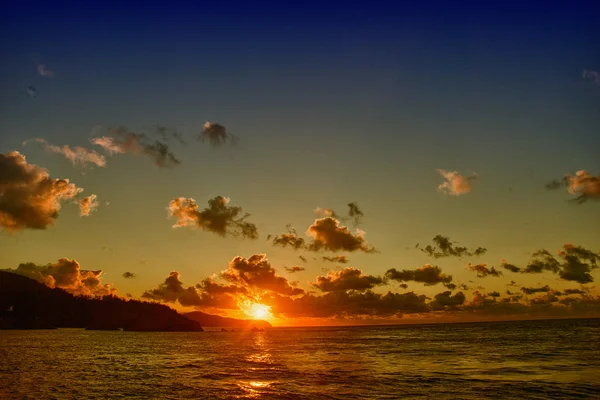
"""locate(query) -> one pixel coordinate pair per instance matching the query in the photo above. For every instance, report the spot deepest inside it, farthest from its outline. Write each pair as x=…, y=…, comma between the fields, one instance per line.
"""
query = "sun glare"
x=258, y=311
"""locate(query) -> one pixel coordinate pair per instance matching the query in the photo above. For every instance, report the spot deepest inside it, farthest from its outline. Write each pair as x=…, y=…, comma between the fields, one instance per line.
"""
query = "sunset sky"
x=322, y=106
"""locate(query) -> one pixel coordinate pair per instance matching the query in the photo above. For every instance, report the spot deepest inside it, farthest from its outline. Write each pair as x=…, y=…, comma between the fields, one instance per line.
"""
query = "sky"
x=468, y=121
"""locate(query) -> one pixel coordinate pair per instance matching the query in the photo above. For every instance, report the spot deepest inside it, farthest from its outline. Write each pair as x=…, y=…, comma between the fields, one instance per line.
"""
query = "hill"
x=28, y=304
x=212, y=321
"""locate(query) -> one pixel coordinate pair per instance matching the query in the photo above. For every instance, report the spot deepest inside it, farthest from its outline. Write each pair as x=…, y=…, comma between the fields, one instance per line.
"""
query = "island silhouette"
x=28, y=304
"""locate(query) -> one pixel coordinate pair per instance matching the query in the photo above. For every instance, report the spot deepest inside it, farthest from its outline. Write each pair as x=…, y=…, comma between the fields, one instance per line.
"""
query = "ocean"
x=509, y=360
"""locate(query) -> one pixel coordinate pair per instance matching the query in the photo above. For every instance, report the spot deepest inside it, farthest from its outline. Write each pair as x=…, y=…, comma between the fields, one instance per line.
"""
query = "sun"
x=258, y=311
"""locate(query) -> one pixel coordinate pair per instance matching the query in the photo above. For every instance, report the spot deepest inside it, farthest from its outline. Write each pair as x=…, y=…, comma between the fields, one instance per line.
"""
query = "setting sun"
x=258, y=311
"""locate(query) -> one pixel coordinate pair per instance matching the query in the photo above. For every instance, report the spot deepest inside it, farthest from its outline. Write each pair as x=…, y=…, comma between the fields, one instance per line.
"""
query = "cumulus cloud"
x=44, y=71
x=447, y=301
x=295, y=268
x=217, y=218
x=87, y=205
x=29, y=198
x=336, y=259
x=326, y=234
x=66, y=274
x=483, y=271
x=347, y=279
x=593, y=76
x=427, y=274
x=77, y=155
x=354, y=215
x=122, y=141
x=128, y=275
x=455, y=184
x=256, y=272
x=216, y=134
x=443, y=247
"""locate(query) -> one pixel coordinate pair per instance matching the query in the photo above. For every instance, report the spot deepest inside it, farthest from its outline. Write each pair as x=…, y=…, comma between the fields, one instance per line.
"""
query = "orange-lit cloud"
x=77, y=155
x=87, y=205
x=29, y=198
x=122, y=140
x=295, y=268
x=455, y=184
x=327, y=234
x=583, y=185
x=218, y=218
x=66, y=274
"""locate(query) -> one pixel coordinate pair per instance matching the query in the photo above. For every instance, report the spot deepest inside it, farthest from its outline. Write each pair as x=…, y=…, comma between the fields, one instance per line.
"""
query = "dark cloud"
x=303, y=258
x=447, y=301
x=355, y=213
x=295, y=268
x=532, y=290
x=443, y=247
x=257, y=272
x=573, y=291
x=216, y=134
x=427, y=274
x=31, y=91
x=336, y=259
x=122, y=141
x=347, y=279
x=218, y=218
x=347, y=304
x=510, y=267
x=68, y=275
x=29, y=198
x=128, y=275
x=494, y=294
x=167, y=134
x=289, y=240
x=483, y=271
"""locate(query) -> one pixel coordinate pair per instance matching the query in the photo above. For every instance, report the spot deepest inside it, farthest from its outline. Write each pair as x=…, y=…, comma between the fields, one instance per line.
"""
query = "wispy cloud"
x=87, y=205
x=216, y=134
x=77, y=155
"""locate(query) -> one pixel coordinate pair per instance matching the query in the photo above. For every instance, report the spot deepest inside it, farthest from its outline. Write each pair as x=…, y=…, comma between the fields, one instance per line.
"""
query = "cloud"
x=443, y=247
x=483, y=271
x=494, y=294
x=510, y=267
x=347, y=304
x=355, y=213
x=455, y=184
x=593, y=76
x=256, y=272
x=128, y=275
x=123, y=141
x=326, y=212
x=44, y=71
x=218, y=218
x=336, y=259
x=31, y=91
x=427, y=274
x=532, y=290
x=584, y=185
x=347, y=279
x=295, y=268
x=576, y=265
x=303, y=258
x=327, y=234
x=68, y=275
x=167, y=134
x=77, y=155
x=447, y=301
x=29, y=198
x=216, y=134
x=87, y=205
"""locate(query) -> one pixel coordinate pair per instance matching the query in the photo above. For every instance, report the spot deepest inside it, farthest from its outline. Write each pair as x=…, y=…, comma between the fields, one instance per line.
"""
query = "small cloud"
x=216, y=134
x=218, y=218
x=295, y=268
x=443, y=247
x=303, y=258
x=347, y=279
x=355, y=213
x=31, y=91
x=532, y=290
x=128, y=275
x=428, y=274
x=87, y=205
x=483, y=271
x=336, y=259
x=455, y=184
x=44, y=71
x=593, y=76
